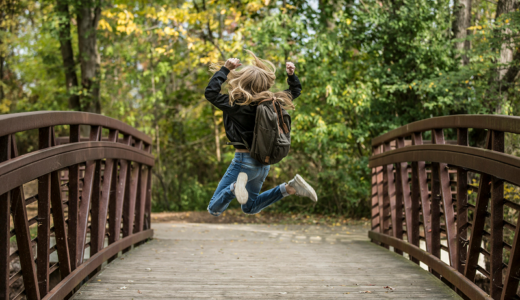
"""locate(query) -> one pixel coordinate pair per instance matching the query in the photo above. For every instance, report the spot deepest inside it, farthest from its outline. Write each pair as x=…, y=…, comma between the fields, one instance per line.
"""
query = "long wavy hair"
x=250, y=85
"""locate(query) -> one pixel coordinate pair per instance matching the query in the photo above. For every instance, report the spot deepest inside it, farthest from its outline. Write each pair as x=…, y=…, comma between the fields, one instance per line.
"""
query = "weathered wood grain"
x=209, y=261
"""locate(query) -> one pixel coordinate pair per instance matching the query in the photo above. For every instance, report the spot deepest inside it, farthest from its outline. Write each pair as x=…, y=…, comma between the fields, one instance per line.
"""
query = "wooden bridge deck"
x=196, y=261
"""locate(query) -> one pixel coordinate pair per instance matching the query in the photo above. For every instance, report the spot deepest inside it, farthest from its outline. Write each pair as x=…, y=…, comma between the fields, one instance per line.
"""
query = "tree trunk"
x=67, y=54
x=462, y=13
x=88, y=18
x=506, y=52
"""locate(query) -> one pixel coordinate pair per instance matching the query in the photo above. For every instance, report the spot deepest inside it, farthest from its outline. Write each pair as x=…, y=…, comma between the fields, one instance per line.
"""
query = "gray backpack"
x=272, y=134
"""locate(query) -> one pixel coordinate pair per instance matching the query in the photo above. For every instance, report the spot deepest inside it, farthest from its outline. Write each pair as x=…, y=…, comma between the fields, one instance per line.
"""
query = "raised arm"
x=295, y=87
x=212, y=92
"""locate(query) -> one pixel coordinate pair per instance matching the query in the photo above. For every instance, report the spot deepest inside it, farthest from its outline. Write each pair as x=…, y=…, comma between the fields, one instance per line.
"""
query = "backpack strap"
x=245, y=144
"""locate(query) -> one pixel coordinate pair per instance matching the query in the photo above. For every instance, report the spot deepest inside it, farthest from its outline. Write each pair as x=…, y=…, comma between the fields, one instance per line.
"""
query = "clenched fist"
x=232, y=63
x=290, y=68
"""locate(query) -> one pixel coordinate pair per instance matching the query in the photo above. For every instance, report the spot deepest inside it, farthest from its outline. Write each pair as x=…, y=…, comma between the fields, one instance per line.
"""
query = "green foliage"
x=366, y=67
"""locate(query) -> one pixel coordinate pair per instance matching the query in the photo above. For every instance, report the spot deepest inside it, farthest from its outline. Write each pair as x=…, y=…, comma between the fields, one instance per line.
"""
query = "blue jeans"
x=256, y=174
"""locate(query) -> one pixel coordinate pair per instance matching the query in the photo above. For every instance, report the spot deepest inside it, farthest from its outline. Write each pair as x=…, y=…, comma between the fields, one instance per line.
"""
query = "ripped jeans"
x=256, y=174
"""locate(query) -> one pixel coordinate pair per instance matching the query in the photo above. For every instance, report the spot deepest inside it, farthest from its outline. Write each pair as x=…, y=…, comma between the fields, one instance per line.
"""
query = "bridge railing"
x=73, y=203
x=425, y=195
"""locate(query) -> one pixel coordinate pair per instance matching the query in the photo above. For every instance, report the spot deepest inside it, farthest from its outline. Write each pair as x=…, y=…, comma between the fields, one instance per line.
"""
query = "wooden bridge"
x=438, y=205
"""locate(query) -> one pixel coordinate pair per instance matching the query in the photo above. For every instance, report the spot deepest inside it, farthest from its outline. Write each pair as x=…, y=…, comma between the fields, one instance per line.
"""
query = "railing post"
x=403, y=195
x=5, y=217
x=396, y=210
x=462, y=202
x=23, y=237
x=447, y=202
x=497, y=224
x=130, y=198
x=73, y=199
x=100, y=203
x=420, y=192
x=44, y=214
x=479, y=216
x=375, y=199
x=435, y=207
x=117, y=201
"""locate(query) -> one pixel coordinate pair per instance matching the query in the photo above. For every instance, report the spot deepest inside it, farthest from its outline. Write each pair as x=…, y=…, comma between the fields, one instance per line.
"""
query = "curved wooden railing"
x=422, y=198
x=90, y=199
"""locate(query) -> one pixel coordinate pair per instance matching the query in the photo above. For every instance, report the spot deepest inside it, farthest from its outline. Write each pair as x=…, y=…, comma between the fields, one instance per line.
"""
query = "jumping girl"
x=244, y=178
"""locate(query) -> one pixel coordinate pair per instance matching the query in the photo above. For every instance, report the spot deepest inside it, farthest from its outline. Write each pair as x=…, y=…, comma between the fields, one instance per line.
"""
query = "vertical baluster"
x=100, y=208
x=148, y=223
x=420, y=192
x=116, y=203
x=130, y=198
x=447, y=202
x=58, y=217
x=90, y=194
x=5, y=235
x=140, y=208
x=44, y=213
x=497, y=223
x=376, y=217
x=479, y=216
x=73, y=210
x=411, y=206
x=435, y=207
x=513, y=269
x=23, y=237
x=462, y=202
x=396, y=211
x=383, y=219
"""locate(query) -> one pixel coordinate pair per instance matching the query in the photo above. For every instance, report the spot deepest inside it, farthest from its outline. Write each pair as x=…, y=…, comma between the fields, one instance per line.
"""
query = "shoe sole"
x=301, y=181
x=240, y=188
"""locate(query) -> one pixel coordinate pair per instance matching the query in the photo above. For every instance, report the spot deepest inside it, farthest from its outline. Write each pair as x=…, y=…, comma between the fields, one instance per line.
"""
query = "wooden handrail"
x=421, y=199
x=99, y=176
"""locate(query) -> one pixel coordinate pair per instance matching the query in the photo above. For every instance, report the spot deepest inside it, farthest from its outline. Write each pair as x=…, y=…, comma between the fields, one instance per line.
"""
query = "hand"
x=290, y=68
x=232, y=63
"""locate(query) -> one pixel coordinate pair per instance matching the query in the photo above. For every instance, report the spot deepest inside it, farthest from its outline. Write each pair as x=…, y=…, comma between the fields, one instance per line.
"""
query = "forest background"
x=366, y=66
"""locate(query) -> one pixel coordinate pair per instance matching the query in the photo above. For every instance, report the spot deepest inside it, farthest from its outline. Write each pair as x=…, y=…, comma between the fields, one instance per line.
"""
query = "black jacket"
x=239, y=120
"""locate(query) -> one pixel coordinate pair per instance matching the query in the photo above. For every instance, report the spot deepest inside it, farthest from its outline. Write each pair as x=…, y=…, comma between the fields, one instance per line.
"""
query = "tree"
x=88, y=13
x=67, y=53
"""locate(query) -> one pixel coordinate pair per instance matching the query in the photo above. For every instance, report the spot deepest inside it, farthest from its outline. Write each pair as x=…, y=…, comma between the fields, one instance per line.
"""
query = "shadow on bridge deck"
x=195, y=261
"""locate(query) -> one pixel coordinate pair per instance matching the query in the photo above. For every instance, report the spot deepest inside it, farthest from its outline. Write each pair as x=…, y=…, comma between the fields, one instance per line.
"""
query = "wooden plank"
x=411, y=207
x=447, y=202
x=210, y=262
x=5, y=217
x=23, y=237
x=420, y=192
x=396, y=210
x=90, y=193
x=477, y=228
x=462, y=201
x=44, y=215
x=497, y=224
x=73, y=210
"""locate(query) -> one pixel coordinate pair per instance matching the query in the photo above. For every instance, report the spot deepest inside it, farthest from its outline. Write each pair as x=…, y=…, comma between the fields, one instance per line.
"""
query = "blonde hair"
x=250, y=84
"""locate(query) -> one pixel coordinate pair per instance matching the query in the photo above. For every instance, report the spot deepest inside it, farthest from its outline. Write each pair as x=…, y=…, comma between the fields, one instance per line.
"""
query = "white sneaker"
x=240, y=188
x=303, y=188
